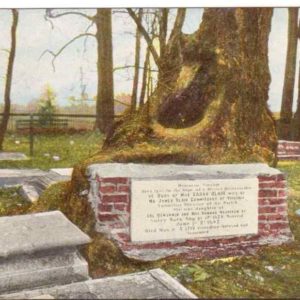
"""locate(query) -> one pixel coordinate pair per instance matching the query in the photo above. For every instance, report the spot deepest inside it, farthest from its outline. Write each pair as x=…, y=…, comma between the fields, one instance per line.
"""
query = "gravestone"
x=152, y=284
x=13, y=177
x=39, y=250
x=190, y=211
x=32, y=188
x=181, y=209
x=63, y=171
x=288, y=150
x=39, y=259
x=12, y=156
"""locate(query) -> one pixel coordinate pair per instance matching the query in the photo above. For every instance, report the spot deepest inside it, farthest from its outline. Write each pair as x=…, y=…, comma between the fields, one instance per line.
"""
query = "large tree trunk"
x=170, y=60
x=225, y=101
x=296, y=120
x=136, y=64
x=218, y=102
x=144, y=79
x=286, y=112
x=9, y=76
x=105, y=93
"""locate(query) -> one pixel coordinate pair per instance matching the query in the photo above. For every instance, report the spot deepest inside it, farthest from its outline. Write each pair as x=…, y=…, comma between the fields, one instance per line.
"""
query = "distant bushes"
x=52, y=130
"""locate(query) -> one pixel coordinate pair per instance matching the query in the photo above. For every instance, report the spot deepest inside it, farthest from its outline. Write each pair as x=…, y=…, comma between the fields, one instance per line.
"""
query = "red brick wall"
x=114, y=206
x=272, y=210
x=273, y=225
x=288, y=150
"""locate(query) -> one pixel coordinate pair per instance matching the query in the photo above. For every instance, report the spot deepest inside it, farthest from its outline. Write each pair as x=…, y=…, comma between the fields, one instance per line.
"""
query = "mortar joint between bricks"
x=274, y=205
x=114, y=194
x=272, y=198
x=281, y=213
x=119, y=212
x=105, y=184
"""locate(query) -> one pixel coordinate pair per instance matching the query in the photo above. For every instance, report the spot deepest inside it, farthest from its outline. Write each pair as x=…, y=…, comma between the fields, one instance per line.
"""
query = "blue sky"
x=35, y=35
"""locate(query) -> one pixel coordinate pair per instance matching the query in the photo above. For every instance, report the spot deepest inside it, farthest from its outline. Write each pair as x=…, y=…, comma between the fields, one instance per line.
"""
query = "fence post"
x=31, y=136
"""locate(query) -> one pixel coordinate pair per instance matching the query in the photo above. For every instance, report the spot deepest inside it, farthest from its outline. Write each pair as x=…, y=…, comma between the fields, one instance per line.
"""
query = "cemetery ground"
x=52, y=150
x=274, y=272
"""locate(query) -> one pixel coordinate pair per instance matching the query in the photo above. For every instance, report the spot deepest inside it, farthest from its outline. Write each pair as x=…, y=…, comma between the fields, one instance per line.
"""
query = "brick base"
x=288, y=150
x=113, y=216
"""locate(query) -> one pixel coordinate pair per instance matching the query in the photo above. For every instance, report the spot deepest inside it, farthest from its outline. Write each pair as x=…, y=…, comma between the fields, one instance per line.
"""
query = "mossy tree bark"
x=170, y=57
x=218, y=98
x=286, y=112
x=9, y=76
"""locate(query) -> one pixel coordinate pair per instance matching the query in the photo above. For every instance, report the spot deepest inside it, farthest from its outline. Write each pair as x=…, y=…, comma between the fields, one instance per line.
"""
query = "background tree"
x=47, y=106
x=147, y=70
x=136, y=63
x=144, y=77
x=168, y=59
x=286, y=112
x=9, y=77
x=296, y=119
x=216, y=105
x=105, y=94
x=105, y=88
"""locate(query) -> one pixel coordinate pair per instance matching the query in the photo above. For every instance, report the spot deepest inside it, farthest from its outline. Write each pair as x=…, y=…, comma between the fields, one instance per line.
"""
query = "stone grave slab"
x=13, y=177
x=193, y=211
x=12, y=156
x=39, y=250
x=153, y=284
x=63, y=171
x=42, y=269
x=32, y=188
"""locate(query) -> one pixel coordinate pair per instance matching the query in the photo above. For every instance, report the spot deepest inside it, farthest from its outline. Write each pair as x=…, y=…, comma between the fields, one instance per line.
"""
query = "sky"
x=76, y=66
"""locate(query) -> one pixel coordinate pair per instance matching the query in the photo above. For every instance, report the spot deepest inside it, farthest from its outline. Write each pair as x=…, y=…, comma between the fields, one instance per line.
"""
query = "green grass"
x=273, y=273
x=292, y=170
x=11, y=201
x=71, y=149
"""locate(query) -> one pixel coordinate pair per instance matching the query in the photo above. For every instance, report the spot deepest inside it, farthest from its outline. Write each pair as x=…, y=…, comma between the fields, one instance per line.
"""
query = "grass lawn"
x=274, y=272
x=10, y=200
x=70, y=149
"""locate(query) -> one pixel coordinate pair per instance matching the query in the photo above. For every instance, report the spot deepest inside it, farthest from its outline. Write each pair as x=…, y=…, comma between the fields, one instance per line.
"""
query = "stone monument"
x=39, y=259
x=40, y=250
x=194, y=211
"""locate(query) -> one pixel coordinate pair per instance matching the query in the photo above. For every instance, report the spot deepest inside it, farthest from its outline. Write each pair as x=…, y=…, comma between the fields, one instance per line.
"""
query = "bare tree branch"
x=49, y=14
x=176, y=31
x=85, y=40
x=121, y=102
x=145, y=35
x=48, y=20
x=5, y=50
x=55, y=55
x=132, y=66
x=163, y=29
x=9, y=77
x=117, y=11
x=124, y=11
